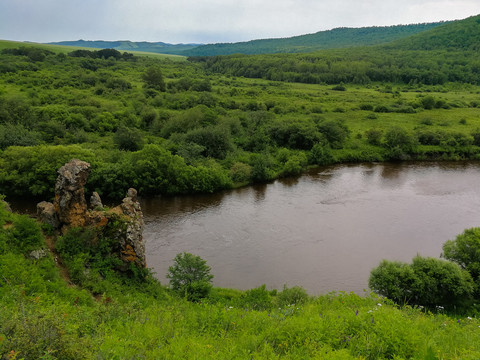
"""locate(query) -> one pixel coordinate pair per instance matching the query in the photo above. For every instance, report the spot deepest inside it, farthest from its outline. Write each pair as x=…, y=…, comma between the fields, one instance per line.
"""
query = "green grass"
x=8, y=44
x=44, y=317
x=40, y=315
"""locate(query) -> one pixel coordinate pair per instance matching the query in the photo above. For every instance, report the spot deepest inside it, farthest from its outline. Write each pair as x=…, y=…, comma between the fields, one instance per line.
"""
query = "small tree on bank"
x=190, y=276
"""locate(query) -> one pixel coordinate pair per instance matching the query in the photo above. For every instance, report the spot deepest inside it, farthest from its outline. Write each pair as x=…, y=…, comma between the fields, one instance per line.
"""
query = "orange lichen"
x=129, y=253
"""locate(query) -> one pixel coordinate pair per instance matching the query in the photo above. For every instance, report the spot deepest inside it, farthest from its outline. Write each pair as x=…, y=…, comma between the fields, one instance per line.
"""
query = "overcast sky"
x=210, y=21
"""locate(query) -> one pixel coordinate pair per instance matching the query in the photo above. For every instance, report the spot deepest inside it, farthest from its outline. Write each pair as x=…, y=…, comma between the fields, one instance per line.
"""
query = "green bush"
x=292, y=296
x=258, y=299
x=428, y=282
x=25, y=235
x=465, y=251
x=128, y=139
x=320, y=155
x=190, y=276
x=374, y=136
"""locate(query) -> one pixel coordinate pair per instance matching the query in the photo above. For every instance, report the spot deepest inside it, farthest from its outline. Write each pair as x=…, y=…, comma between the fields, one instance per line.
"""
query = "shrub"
x=258, y=299
x=320, y=155
x=429, y=137
x=128, y=139
x=240, y=172
x=25, y=235
x=465, y=251
x=190, y=276
x=374, y=136
x=397, y=137
x=428, y=282
x=292, y=296
x=153, y=78
x=336, y=132
x=394, y=280
x=428, y=102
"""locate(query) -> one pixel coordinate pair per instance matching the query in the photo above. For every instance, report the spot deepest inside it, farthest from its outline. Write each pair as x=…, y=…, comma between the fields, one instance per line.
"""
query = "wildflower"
x=373, y=319
x=458, y=321
x=379, y=304
x=469, y=318
x=356, y=313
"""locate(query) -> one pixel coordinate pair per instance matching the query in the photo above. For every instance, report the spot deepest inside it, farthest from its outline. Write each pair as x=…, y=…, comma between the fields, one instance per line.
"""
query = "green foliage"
x=128, y=139
x=240, y=172
x=190, y=276
x=321, y=155
x=295, y=295
x=428, y=282
x=24, y=235
x=153, y=78
x=465, y=251
x=205, y=122
x=33, y=170
x=258, y=299
x=335, y=132
x=374, y=136
x=336, y=38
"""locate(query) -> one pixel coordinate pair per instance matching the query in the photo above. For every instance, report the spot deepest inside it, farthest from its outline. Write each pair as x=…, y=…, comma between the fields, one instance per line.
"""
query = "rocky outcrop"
x=95, y=201
x=132, y=247
x=124, y=223
x=46, y=213
x=70, y=204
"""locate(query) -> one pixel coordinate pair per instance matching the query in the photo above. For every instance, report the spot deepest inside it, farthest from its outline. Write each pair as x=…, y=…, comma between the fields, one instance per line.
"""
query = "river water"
x=323, y=231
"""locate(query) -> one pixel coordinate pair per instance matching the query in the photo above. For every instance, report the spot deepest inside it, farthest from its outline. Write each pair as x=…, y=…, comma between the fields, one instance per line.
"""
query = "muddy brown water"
x=324, y=231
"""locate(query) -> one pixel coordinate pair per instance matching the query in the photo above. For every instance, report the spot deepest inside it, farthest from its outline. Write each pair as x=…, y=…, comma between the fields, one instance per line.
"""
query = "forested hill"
x=457, y=35
x=336, y=38
x=448, y=53
x=154, y=47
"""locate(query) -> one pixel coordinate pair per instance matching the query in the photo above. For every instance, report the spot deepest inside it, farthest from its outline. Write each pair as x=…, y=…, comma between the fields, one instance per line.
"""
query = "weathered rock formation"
x=46, y=213
x=70, y=210
x=70, y=204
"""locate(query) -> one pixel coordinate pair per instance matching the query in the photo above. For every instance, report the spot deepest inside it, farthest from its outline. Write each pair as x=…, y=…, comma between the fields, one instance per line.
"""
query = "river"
x=323, y=231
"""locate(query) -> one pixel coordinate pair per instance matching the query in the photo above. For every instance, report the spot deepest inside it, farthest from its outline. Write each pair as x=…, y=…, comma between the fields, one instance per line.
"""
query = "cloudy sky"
x=210, y=21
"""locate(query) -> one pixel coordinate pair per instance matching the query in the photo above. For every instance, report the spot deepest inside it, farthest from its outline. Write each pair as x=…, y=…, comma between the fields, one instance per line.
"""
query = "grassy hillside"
x=169, y=127
x=44, y=314
x=65, y=49
x=331, y=39
x=142, y=46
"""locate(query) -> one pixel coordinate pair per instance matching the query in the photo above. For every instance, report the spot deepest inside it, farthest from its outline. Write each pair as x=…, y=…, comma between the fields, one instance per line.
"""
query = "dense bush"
x=465, y=251
x=190, y=276
x=427, y=282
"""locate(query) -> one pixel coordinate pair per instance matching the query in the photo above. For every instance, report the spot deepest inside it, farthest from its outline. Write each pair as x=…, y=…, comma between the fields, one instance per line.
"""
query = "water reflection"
x=324, y=230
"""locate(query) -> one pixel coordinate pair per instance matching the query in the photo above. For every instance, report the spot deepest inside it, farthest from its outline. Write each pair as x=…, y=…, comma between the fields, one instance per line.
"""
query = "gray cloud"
x=210, y=21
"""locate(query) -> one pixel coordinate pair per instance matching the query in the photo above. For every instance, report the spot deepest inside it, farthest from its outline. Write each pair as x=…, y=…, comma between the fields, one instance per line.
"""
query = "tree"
x=190, y=276
x=465, y=251
x=153, y=78
x=128, y=139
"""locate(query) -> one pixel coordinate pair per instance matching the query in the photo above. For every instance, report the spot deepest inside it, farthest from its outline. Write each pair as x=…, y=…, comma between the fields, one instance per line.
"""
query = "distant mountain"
x=336, y=38
x=457, y=35
x=155, y=47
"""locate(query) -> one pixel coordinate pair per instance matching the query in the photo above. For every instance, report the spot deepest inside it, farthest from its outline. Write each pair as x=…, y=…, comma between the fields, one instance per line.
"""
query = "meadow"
x=173, y=127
